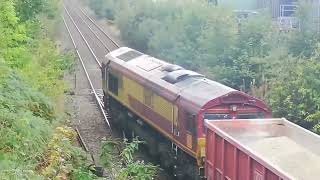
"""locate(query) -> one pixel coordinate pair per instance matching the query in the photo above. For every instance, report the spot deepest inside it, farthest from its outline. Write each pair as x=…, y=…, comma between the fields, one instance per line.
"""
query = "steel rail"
x=87, y=44
x=84, y=39
x=82, y=143
x=114, y=42
x=87, y=75
x=94, y=33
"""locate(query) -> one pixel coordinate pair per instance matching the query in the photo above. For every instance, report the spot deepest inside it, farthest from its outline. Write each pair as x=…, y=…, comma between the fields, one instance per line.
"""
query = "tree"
x=252, y=56
x=12, y=37
x=295, y=94
x=28, y=9
x=27, y=114
x=98, y=6
x=303, y=41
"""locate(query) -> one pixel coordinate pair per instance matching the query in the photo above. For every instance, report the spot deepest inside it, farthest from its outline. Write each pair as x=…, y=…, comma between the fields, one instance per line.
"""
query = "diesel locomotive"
x=166, y=105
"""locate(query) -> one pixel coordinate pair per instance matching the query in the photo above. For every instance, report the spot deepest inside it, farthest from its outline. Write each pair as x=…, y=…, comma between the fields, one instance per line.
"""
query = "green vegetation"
x=254, y=56
x=127, y=167
x=34, y=142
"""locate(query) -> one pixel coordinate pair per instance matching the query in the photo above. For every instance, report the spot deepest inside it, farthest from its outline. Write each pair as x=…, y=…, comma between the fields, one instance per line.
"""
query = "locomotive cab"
x=234, y=105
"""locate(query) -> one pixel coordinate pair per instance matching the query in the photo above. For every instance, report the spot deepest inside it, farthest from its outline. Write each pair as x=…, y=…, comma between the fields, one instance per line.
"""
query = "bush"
x=31, y=71
x=252, y=56
x=296, y=95
x=127, y=167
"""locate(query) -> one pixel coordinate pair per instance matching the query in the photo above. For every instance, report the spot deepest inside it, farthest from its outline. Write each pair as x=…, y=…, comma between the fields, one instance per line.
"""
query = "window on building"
x=148, y=97
x=113, y=84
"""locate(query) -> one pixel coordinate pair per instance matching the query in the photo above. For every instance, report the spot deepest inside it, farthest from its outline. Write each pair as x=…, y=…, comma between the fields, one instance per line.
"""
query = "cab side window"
x=191, y=123
x=113, y=83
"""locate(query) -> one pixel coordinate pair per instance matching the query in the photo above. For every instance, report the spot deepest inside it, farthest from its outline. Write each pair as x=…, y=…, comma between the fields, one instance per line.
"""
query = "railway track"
x=96, y=49
x=100, y=31
x=94, y=31
x=93, y=88
x=91, y=44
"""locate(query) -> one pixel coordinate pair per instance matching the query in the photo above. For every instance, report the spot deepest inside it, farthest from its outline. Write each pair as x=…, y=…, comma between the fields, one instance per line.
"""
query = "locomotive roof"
x=190, y=85
x=275, y=143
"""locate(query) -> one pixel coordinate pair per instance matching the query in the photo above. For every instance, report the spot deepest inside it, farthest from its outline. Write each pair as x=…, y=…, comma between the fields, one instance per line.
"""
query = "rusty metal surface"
x=278, y=143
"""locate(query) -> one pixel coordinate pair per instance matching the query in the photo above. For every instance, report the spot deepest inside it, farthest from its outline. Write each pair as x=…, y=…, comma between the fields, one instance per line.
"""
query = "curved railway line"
x=99, y=35
x=91, y=44
x=100, y=30
x=98, y=99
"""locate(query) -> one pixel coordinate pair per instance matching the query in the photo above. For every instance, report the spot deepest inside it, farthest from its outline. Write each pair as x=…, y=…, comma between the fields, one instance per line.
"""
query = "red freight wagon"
x=268, y=149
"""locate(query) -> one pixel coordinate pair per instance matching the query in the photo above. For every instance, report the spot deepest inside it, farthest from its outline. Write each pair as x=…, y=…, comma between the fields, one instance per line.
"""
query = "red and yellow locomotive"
x=168, y=104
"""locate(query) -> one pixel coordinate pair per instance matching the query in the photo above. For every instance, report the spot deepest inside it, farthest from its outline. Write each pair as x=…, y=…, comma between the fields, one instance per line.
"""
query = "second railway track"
x=95, y=30
x=113, y=44
x=85, y=67
x=91, y=122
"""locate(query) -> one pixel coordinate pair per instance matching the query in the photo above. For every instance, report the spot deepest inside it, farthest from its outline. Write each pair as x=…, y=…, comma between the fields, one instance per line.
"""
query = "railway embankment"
x=37, y=140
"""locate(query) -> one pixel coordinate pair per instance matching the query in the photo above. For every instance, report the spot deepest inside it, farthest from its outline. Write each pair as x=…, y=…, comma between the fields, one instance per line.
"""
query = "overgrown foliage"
x=127, y=167
x=253, y=56
x=32, y=145
x=295, y=94
x=61, y=159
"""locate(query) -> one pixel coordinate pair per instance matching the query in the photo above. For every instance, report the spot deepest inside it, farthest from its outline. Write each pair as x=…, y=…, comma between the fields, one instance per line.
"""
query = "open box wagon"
x=268, y=149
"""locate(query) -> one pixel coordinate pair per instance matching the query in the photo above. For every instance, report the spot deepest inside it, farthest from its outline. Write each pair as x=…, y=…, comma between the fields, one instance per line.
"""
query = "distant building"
x=278, y=7
x=283, y=11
